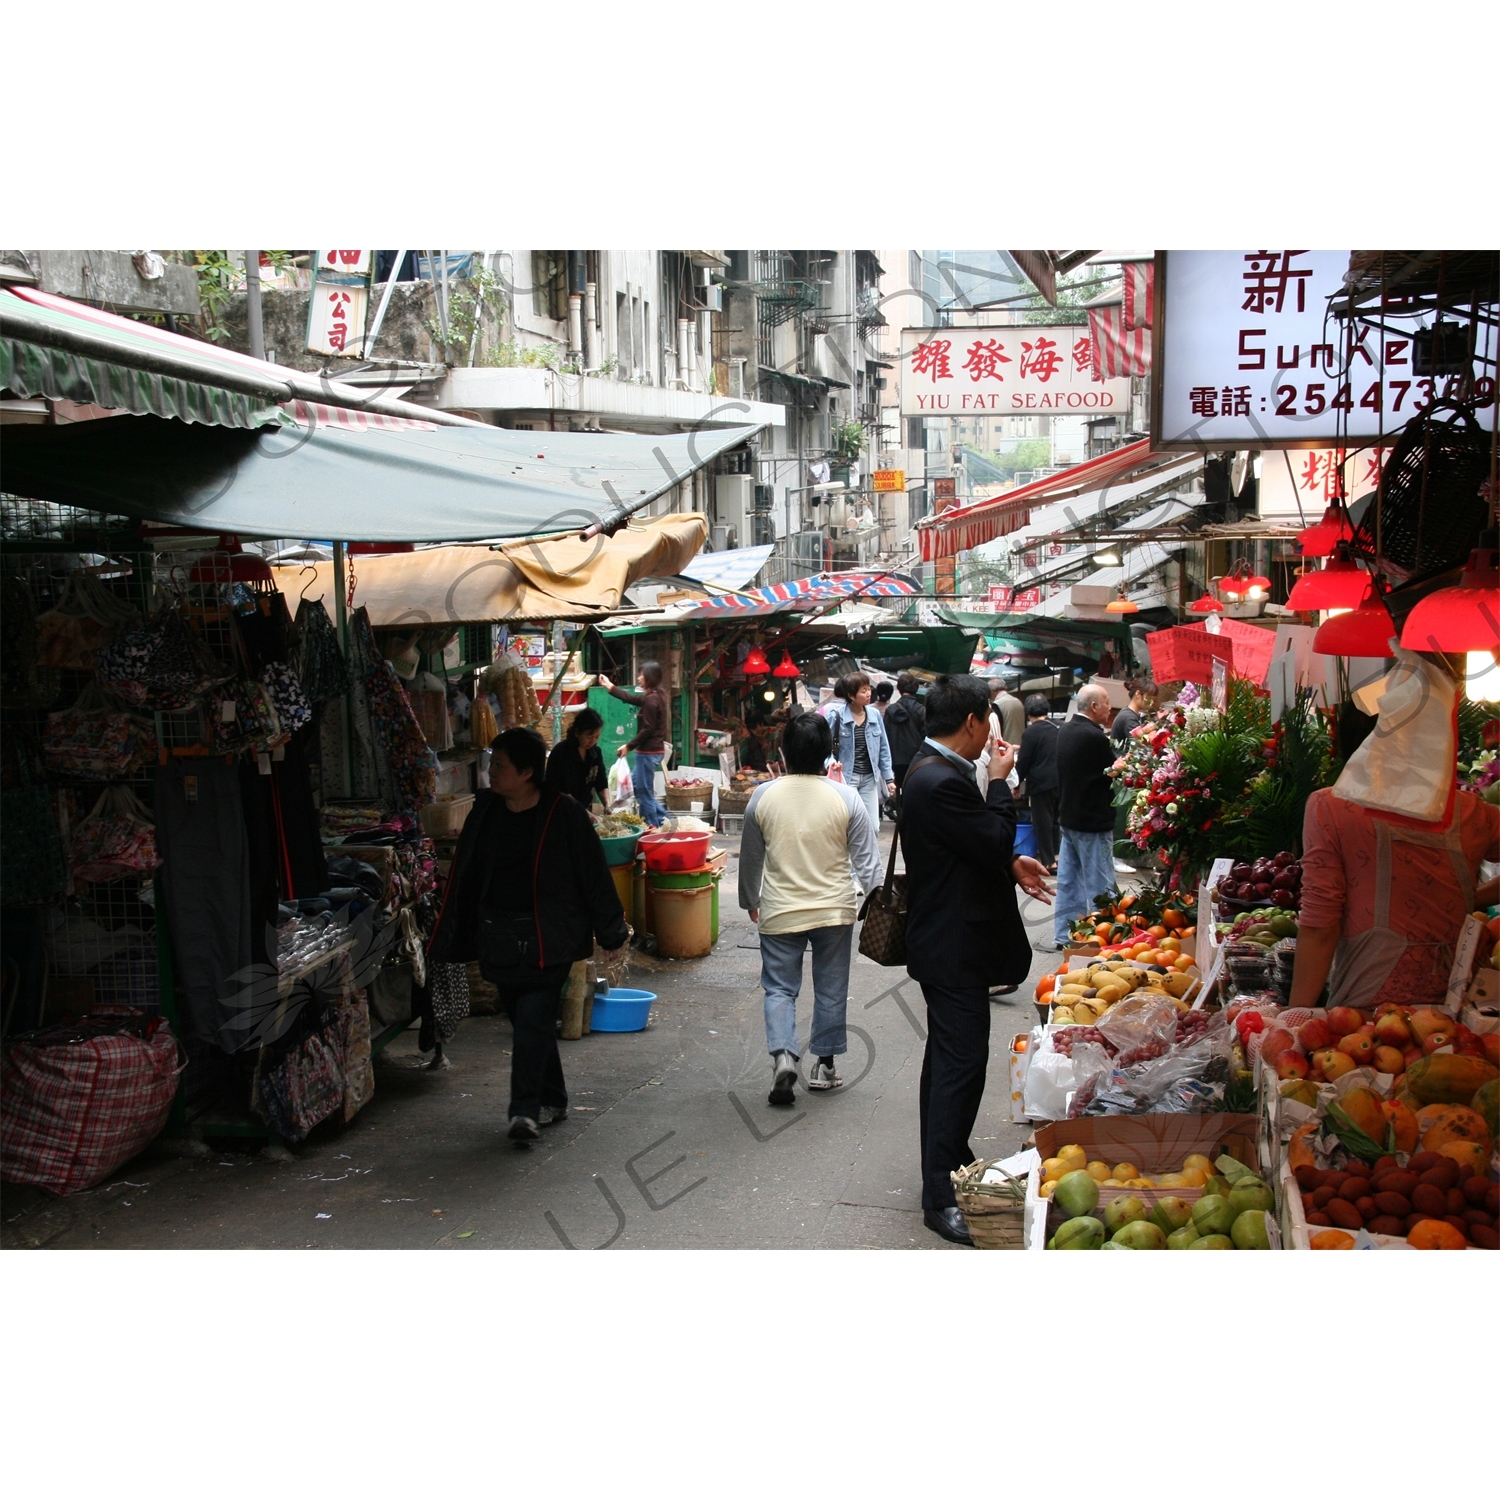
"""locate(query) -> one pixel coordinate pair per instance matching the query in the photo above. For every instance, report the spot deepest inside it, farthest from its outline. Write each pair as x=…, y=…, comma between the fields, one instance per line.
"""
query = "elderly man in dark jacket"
x=964, y=932
x=529, y=894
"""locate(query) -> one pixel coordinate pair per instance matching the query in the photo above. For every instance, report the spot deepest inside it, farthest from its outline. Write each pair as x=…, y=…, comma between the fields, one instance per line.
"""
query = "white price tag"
x=227, y=711
x=263, y=762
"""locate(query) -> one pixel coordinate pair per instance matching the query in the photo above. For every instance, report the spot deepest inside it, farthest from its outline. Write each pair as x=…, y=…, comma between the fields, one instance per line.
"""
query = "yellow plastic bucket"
x=684, y=925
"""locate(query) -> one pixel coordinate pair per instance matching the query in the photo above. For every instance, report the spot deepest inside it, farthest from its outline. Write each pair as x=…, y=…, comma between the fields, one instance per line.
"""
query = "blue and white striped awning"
x=728, y=570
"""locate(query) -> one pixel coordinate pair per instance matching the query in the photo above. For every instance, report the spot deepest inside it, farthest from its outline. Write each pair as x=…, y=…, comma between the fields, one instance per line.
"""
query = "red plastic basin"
x=670, y=853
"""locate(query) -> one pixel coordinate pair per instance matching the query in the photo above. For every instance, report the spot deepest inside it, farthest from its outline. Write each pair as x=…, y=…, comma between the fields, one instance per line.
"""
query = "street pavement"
x=669, y=1143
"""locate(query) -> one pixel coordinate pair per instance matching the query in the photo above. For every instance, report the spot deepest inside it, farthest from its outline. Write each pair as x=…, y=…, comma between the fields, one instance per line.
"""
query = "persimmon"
x=1436, y=1234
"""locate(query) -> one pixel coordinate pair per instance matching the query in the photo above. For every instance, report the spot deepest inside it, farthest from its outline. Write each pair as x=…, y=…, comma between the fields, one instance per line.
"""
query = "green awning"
x=1038, y=628
x=63, y=375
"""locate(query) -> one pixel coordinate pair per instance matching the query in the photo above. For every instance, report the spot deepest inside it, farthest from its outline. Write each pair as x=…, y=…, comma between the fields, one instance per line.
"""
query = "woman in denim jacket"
x=860, y=743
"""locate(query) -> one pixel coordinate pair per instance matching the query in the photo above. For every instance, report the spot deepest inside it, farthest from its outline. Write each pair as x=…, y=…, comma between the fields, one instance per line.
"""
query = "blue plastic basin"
x=622, y=1010
x=1025, y=839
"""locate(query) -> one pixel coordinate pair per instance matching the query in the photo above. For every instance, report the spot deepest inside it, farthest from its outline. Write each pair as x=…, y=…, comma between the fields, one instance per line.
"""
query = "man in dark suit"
x=1036, y=765
x=963, y=932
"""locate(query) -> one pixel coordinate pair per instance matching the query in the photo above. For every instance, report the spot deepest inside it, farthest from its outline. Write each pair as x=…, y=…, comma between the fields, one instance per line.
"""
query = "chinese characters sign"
x=1249, y=356
x=888, y=481
x=1187, y=653
x=1299, y=487
x=344, y=262
x=1007, y=371
x=336, y=318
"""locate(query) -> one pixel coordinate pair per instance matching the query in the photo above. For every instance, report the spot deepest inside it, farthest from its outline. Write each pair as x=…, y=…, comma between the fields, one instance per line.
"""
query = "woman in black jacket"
x=576, y=764
x=529, y=894
x=1036, y=765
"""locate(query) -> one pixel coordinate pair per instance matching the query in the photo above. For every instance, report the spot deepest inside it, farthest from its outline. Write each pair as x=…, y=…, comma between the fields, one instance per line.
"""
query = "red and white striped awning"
x=317, y=414
x=959, y=529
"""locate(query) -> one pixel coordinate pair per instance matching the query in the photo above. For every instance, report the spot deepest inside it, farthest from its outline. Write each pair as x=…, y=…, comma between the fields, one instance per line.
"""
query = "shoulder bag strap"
x=890, y=866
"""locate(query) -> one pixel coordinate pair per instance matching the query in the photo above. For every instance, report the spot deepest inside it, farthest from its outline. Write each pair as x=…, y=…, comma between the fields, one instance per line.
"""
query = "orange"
x=1332, y=1239
x=1102, y=931
x=1435, y=1234
x=1189, y=931
x=1170, y=945
x=1173, y=919
x=1045, y=983
x=1157, y=931
x=1182, y=963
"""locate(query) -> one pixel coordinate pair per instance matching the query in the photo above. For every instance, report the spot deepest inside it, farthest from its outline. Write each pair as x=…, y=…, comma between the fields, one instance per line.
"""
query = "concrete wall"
x=109, y=279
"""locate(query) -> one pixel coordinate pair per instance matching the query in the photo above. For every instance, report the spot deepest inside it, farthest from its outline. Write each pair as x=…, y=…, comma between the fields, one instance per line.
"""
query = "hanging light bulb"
x=1343, y=584
x=1257, y=586
x=1321, y=538
x=786, y=667
x=1482, y=677
x=1365, y=631
x=756, y=664
x=1243, y=584
x=1466, y=618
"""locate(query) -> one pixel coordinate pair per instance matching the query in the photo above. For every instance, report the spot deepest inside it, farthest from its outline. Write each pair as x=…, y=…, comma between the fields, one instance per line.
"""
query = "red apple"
x=1389, y=1060
x=1334, y=1064
x=1389, y=1008
x=1391, y=1030
x=1412, y=1054
x=1368, y=1029
x=1490, y=1041
x=1291, y=1064
x=1315, y=1035
x=1344, y=1020
x=1427, y=1020
x=1358, y=1046
x=1434, y=1040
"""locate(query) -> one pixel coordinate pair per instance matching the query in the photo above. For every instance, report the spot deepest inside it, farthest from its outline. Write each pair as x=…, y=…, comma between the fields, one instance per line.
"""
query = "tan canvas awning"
x=558, y=579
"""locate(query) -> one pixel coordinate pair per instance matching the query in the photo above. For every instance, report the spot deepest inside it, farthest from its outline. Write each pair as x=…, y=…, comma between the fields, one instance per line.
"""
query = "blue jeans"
x=781, y=978
x=871, y=789
x=643, y=777
x=1085, y=867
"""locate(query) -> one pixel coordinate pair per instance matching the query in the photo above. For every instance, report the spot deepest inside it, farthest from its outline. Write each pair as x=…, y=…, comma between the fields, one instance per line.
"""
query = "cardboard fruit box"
x=1155, y=1143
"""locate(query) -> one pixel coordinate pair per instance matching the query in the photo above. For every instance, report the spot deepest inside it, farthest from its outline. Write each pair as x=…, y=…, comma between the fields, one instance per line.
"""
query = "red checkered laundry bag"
x=74, y=1106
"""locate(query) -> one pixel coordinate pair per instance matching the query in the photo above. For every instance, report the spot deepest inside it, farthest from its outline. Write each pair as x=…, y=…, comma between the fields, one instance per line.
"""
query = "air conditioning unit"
x=713, y=298
x=734, y=501
x=806, y=551
x=765, y=497
x=762, y=529
x=725, y=539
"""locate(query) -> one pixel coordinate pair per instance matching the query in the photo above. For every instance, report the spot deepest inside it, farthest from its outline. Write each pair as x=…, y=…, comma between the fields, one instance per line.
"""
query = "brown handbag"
x=883, y=936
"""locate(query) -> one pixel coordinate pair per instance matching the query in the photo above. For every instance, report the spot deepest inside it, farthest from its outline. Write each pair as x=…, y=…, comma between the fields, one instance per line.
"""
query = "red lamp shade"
x=1343, y=584
x=1122, y=606
x=786, y=667
x=1242, y=583
x=1466, y=618
x=1205, y=604
x=756, y=664
x=1365, y=631
x=1323, y=537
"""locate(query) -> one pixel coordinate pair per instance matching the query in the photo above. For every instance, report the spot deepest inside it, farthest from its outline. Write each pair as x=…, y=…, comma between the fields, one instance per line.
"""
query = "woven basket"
x=734, y=802
x=994, y=1211
x=1432, y=511
x=682, y=800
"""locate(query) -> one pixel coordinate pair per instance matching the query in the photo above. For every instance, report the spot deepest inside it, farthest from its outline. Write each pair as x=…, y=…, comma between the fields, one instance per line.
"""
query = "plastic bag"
x=1053, y=1077
x=621, y=787
x=1406, y=765
x=1187, y=1080
x=1141, y=1027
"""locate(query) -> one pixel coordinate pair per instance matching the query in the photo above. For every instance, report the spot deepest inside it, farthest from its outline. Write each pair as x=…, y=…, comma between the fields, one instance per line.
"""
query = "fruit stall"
x=1180, y=1100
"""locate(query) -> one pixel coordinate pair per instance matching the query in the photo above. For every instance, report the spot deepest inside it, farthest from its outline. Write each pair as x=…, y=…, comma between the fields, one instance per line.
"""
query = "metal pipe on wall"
x=591, y=325
x=252, y=305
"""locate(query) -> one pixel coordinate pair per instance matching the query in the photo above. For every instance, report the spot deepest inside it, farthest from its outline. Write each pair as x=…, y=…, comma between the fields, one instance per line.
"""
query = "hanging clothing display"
x=316, y=657
x=413, y=765
x=205, y=882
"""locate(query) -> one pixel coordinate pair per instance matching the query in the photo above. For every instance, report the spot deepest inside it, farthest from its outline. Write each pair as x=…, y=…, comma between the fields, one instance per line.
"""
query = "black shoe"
x=552, y=1114
x=523, y=1128
x=1042, y=947
x=998, y=991
x=949, y=1223
x=427, y=1034
x=783, y=1079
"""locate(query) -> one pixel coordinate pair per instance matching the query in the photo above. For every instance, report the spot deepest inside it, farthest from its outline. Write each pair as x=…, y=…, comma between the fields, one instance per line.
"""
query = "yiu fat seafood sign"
x=1011, y=371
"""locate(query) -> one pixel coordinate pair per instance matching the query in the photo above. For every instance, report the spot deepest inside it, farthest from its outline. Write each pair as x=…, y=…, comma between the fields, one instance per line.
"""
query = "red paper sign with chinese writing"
x=1024, y=600
x=1000, y=598
x=1187, y=654
x=1253, y=648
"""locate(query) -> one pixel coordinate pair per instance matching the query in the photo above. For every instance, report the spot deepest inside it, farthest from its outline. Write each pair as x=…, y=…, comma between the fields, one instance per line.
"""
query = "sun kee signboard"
x=1007, y=371
x=1248, y=356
